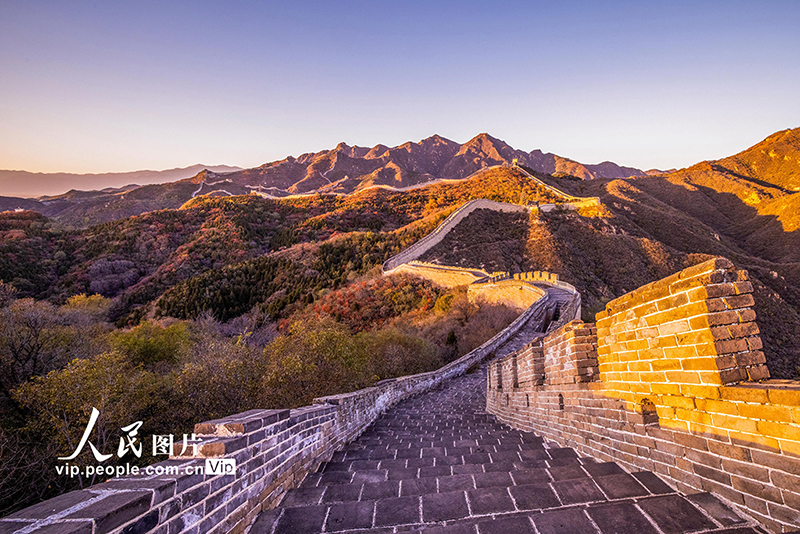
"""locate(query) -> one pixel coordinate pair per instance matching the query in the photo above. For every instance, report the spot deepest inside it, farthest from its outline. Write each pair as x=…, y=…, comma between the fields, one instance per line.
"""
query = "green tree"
x=316, y=358
x=149, y=343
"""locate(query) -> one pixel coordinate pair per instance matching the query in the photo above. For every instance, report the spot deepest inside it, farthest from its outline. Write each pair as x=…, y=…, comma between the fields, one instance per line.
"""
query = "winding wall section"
x=434, y=238
x=571, y=202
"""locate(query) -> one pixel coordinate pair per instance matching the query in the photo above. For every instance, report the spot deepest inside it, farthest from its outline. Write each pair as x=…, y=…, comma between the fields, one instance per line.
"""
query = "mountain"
x=553, y=164
x=346, y=169
x=753, y=196
x=775, y=160
x=342, y=170
x=29, y=184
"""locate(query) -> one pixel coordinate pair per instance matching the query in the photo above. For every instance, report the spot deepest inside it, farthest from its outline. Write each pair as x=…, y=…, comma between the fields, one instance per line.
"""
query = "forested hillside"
x=229, y=303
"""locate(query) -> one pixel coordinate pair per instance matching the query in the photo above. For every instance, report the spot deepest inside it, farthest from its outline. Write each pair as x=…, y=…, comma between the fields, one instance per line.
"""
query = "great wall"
x=660, y=417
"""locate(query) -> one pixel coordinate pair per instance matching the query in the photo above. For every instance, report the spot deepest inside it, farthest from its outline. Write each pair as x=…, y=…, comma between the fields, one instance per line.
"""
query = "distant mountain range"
x=36, y=184
x=343, y=169
x=347, y=169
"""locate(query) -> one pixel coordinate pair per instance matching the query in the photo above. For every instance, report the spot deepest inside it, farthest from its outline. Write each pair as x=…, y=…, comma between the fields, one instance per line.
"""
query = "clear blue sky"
x=112, y=86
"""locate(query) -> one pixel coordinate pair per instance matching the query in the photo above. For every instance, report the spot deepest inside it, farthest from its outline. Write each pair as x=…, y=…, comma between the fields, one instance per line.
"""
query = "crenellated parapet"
x=670, y=379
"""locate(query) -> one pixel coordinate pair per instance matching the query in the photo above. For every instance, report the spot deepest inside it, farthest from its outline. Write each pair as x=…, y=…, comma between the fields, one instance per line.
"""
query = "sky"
x=108, y=86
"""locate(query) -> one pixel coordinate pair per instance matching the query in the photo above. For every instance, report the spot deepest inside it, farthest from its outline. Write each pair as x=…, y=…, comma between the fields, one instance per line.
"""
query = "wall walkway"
x=570, y=202
x=434, y=238
x=438, y=463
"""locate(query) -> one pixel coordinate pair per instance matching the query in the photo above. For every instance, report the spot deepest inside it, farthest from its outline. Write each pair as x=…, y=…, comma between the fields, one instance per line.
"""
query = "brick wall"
x=671, y=380
x=273, y=449
x=571, y=355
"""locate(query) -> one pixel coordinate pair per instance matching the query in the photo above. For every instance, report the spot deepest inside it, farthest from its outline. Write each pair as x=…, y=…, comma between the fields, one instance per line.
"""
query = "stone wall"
x=671, y=380
x=434, y=238
x=521, y=290
x=569, y=312
x=274, y=450
x=573, y=205
x=441, y=274
x=512, y=293
x=571, y=202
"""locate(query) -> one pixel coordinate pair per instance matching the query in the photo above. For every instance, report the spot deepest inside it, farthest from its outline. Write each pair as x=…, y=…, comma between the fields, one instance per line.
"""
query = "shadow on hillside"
x=722, y=170
x=485, y=239
x=731, y=228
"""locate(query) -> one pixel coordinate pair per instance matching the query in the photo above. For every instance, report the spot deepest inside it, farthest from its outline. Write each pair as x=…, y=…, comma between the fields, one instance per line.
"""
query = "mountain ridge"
x=767, y=172
x=19, y=183
x=346, y=169
x=644, y=228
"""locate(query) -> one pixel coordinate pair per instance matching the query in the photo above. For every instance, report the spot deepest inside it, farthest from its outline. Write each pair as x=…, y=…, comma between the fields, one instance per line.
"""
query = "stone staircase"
x=559, y=299
x=437, y=462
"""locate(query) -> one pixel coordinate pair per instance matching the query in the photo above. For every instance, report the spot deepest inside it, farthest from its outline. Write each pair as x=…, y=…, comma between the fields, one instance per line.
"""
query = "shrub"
x=392, y=353
x=316, y=357
x=149, y=344
x=94, y=306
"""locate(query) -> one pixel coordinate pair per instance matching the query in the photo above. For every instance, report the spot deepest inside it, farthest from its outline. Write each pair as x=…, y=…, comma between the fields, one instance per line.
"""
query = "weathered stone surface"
x=507, y=525
x=115, y=510
x=674, y=514
x=653, y=484
x=66, y=527
x=444, y=506
x=302, y=520
x=534, y=497
x=567, y=521
x=623, y=518
x=397, y=511
x=350, y=515
x=53, y=506
x=716, y=509
x=497, y=493
x=265, y=522
x=7, y=527
x=621, y=486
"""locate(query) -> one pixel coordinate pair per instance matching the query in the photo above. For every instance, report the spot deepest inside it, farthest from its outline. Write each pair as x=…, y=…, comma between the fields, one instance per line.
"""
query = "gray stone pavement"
x=527, y=333
x=438, y=463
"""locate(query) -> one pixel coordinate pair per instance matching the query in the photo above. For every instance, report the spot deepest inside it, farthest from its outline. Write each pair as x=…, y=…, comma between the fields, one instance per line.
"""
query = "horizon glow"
x=115, y=87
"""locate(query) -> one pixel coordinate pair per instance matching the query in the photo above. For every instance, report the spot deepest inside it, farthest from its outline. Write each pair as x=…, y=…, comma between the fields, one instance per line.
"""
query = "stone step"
x=438, y=463
x=525, y=459
x=365, y=485
x=505, y=510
